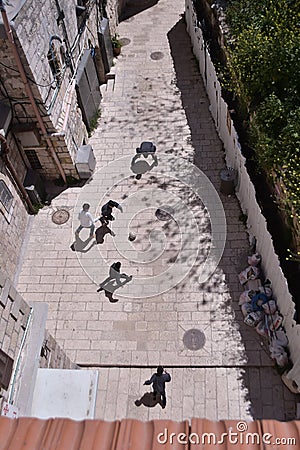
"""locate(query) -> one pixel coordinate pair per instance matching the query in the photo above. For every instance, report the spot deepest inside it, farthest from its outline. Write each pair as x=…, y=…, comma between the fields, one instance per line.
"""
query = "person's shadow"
x=148, y=400
x=112, y=286
x=80, y=246
x=140, y=166
x=101, y=232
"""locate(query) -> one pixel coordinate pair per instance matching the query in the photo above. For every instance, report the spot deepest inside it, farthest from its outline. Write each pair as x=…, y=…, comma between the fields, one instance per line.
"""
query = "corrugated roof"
x=67, y=434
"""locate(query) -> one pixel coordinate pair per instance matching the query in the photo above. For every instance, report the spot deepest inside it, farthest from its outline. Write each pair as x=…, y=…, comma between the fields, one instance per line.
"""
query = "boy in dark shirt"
x=106, y=211
x=158, y=381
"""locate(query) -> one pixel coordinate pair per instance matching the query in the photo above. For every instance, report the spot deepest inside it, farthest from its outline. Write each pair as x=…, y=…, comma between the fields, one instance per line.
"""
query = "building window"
x=33, y=159
x=6, y=197
x=6, y=365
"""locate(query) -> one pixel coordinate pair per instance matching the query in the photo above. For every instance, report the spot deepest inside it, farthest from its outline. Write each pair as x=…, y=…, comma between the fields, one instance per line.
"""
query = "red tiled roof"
x=67, y=434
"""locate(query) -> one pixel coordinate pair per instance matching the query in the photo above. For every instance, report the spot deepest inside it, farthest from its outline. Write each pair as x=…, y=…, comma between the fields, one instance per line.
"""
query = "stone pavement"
x=156, y=94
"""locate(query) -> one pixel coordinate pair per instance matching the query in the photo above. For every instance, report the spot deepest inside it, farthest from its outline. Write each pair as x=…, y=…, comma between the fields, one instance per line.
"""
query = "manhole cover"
x=164, y=213
x=61, y=216
x=125, y=41
x=194, y=339
x=156, y=55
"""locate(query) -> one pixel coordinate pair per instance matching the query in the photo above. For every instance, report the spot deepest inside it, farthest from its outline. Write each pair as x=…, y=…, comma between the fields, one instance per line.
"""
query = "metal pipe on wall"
x=28, y=89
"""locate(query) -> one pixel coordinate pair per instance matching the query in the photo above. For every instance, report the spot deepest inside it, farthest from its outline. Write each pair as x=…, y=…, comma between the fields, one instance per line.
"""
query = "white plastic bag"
x=274, y=321
x=254, y=260
x=253, y=318
x=281, y=337
x=250, y=273
x=244, y=297
x=246, y=309
x=277, y=352
x=261, y=328
x=270, y=307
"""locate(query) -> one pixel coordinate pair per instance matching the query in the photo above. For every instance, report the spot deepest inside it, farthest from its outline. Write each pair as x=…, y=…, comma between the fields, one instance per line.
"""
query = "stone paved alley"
x=157, y=95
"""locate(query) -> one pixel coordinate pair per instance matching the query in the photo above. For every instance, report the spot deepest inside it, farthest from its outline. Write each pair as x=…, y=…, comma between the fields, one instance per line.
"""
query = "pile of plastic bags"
x=260, y=310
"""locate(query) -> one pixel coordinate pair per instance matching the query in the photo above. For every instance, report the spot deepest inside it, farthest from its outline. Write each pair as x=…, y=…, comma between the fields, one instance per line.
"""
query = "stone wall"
x=53, y=356
x=17, y=325
x=36, y=24
x=64, y=115
x=13, y=223
x=113, y=8
x=14, y=314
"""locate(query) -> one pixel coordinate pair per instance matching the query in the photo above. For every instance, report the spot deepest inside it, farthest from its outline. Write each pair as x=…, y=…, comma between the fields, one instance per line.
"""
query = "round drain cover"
x=156, y=55
x=164, y=213
x=61, y=216
x=125, y=41
x=194, y=339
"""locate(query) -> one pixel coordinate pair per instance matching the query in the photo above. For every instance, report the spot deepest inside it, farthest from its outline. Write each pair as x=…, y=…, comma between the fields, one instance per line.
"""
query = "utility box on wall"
x=85, y=161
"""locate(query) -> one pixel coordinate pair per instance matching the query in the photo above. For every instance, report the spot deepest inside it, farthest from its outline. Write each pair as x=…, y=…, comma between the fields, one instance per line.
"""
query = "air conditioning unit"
x=85, y=161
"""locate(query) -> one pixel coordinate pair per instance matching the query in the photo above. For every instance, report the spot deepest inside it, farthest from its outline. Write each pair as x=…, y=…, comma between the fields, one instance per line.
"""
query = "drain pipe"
x=28, y=89
x=3, y=153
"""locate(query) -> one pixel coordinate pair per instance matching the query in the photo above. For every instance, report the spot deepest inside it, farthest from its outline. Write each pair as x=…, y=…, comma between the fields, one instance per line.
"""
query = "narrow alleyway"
x=156, y=95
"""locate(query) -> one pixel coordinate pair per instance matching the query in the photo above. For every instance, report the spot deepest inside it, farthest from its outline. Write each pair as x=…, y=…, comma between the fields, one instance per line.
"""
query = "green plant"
x=116, y=43
x=59, y=182
x=94, y=121
x=72, y=181
x=263, y=61
x=37, y=207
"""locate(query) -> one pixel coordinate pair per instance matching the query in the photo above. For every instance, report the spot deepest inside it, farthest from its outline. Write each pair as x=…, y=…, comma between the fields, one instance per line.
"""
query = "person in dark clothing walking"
x=106, y=211
x=158, y=381
x=115, y=277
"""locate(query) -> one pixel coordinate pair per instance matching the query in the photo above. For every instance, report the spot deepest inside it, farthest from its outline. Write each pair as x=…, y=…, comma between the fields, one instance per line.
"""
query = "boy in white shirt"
x=86, y=220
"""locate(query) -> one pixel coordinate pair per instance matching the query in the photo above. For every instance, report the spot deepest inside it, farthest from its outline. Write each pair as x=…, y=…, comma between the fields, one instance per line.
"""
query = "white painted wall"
x=245, y=190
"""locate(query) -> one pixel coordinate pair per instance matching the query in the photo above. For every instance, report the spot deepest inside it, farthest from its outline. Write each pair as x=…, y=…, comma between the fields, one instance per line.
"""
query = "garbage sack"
x=267, y=282
x=265, y=290
x=281, y=337
x=245, y=297
x=254, y=260
x=250, y=273
x=253, y=318
x=262, y=329
x=257, y=301
x=246, y=308
x=270, y=307
x=277, y=351
x=274, y=321
x=282, y=360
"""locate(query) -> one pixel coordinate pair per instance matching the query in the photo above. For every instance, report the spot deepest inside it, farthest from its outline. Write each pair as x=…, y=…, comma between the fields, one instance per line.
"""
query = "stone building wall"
x=60, y=102
x=13, y=222
x=16, y=325
x=14, y=314
x=113, y=8
x=53, y=356
x=34, y=26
